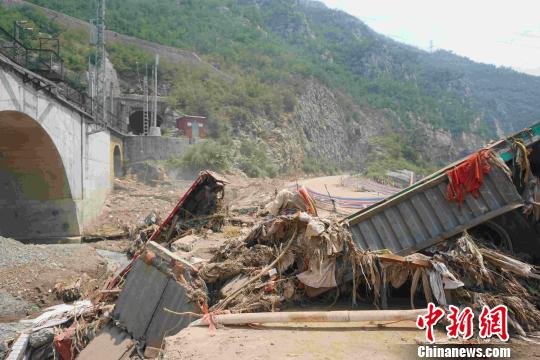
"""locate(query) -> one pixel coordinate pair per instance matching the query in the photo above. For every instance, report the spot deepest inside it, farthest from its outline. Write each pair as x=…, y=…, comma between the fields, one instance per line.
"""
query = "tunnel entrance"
x=35, y=197
x=117, y=159
x=136, y=122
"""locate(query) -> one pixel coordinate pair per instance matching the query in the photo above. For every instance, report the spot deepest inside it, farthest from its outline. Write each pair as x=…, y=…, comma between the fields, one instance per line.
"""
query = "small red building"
x=192, y=126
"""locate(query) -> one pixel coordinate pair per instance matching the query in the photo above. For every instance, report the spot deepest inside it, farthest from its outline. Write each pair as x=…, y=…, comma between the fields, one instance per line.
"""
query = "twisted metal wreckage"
x=435, y=238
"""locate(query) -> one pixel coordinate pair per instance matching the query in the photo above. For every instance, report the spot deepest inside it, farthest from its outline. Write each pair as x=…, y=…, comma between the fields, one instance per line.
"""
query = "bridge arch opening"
x=35, y=197
x=117, y=161
x=136, y=122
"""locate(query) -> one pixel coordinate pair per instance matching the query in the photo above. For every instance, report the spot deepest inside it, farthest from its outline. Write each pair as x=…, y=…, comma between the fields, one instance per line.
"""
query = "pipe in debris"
x=312, y=316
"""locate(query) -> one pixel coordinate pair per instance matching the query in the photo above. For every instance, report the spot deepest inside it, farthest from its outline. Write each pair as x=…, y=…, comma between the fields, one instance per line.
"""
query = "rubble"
x=288, y=258
x=128, y=206
x=29, y=273
x=148, y=172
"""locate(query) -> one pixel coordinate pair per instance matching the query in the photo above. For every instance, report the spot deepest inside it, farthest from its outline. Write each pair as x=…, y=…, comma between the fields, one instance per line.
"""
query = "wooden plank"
x=393, y=258
x=166, y=255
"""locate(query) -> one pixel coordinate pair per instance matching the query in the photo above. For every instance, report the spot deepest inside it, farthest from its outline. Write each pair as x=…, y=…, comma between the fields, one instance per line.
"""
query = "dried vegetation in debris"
x=286, y=259
x=277, y=262
x=291, y=255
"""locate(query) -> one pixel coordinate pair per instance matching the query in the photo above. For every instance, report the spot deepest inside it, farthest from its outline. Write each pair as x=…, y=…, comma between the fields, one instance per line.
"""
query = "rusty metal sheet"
x=421, y=216
x=191, y=203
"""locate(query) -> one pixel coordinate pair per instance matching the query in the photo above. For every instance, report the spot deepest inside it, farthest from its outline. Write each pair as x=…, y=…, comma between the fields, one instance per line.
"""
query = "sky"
x=500, y=32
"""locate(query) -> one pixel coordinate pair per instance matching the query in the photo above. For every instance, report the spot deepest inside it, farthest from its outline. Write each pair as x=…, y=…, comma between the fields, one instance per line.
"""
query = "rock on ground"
x=9, y=304
x=28, y=274
x=41, y=337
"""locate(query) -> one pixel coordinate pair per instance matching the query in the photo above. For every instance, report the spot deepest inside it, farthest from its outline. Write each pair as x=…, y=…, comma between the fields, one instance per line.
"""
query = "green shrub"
x=319, y=167
x=390, y=152
x=254, y=161
x=208, y=154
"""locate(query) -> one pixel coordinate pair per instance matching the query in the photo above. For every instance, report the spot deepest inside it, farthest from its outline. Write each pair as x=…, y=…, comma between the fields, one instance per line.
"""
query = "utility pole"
x=154, y=129
x=146, y=105
x=99, y=101
x=431, y=47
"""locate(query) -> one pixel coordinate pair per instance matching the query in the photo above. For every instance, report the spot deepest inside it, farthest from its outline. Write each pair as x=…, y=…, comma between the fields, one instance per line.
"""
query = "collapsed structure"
x=502, y=207
x=432, y=239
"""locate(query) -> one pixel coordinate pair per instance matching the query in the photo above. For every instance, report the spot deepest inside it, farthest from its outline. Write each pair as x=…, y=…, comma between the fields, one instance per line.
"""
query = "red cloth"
x=468, y=176
x=63, y=343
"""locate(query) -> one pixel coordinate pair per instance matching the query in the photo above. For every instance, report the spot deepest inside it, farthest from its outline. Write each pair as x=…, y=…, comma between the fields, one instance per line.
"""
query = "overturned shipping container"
x=421, y=215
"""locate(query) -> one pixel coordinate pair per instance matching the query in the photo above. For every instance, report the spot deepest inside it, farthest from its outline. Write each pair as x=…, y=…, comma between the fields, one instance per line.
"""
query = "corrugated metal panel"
x=422, y=217
x=140, y=306
x=139, y=298
x=166, y=324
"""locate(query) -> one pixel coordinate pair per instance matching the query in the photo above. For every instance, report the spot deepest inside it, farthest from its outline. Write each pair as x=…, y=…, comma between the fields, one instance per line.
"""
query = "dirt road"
x=336, y=187
x=359, y=340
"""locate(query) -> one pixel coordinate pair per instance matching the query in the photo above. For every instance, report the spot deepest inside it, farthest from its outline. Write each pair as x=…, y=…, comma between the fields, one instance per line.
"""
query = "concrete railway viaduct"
x=56, y=163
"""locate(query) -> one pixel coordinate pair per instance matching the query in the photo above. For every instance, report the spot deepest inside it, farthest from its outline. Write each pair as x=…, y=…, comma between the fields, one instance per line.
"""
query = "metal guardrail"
x=43, y=61
x=47, y=63
x=345, y=202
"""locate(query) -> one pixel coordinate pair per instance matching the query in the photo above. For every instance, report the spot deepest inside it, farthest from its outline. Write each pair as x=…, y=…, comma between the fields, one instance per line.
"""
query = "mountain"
x=315, y=87
x=530, y=71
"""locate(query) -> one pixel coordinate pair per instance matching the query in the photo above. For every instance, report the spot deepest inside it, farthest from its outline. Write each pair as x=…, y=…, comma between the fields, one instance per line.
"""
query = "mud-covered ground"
x=29, y=273
x=358, y=340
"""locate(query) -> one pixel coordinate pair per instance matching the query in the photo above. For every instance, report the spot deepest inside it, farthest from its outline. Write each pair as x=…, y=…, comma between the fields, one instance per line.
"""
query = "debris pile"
x=289, y=257
x=62, y=329
x=280, y=260
x=492, y=278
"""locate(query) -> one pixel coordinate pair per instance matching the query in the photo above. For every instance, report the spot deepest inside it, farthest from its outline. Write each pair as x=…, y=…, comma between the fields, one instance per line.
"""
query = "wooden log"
x=166, y=255
x=171, y=228
x=111, y=291
x=401, y=260
x=313, y=316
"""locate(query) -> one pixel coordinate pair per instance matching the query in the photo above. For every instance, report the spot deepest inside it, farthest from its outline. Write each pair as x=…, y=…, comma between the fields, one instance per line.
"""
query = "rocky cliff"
x=315, y=83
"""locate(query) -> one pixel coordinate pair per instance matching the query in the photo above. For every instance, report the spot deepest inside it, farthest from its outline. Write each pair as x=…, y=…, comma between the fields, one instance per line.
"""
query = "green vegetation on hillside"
x=229, y=101
x=267, y=41
x=393, y=153
x=259, y=55
x=223, y=154
x=74, y=48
